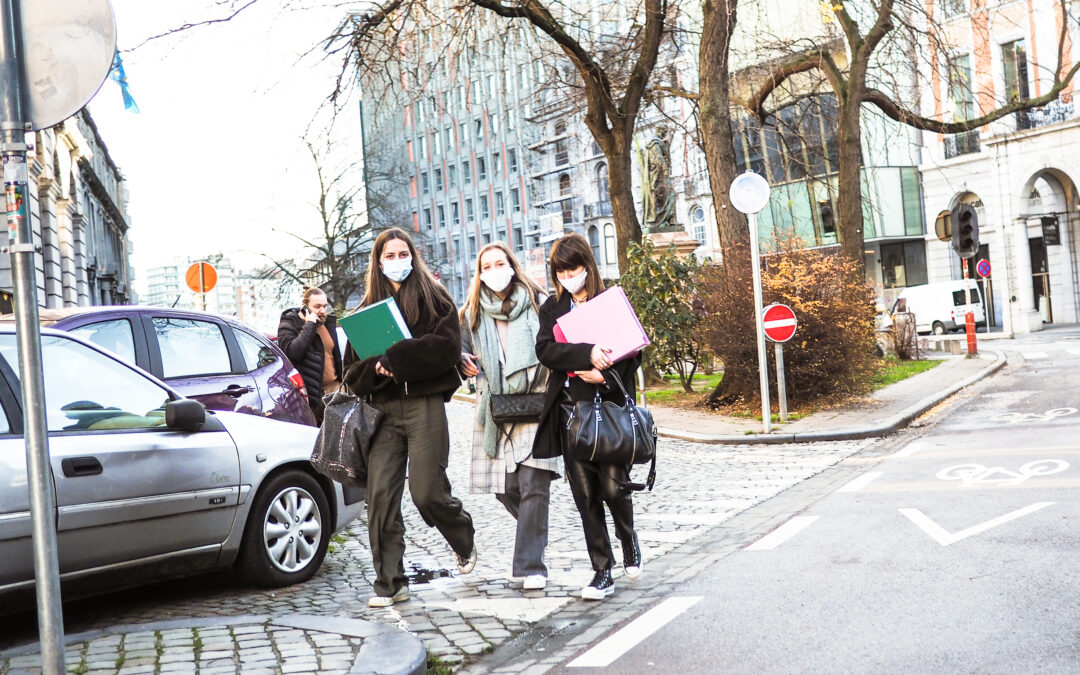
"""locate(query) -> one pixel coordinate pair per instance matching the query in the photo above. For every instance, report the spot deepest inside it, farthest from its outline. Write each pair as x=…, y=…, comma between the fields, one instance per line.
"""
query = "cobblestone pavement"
x=698, y=487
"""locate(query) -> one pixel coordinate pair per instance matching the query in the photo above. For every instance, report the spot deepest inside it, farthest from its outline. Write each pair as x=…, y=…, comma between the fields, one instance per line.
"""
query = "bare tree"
x=871, y=33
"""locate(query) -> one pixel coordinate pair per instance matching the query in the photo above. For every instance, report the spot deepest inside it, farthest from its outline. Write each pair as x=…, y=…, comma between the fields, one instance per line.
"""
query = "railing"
x=695, y=186
x=597, y=210
x=1051, y=113
x=962, y=144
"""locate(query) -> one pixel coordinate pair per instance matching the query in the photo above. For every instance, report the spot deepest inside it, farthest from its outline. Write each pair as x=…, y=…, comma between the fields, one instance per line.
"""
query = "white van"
x=940, y=307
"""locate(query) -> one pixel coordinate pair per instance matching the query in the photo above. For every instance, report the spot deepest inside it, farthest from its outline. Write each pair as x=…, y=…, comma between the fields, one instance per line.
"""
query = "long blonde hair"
x=470, y=313
x=419, y=288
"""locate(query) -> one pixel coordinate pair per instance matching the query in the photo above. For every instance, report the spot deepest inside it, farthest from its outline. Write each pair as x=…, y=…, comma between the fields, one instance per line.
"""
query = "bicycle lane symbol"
x=1019, y=417
x=971, y=475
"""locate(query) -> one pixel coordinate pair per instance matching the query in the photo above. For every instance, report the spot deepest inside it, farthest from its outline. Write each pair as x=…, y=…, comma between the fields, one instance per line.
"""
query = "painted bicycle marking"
x=971, y=475
x=1018, y=417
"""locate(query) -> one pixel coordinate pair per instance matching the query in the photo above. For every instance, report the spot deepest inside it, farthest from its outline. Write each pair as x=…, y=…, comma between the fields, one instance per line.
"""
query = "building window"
x=466, y=173
x=485, y=209
x=594, y=241
x=697, y=220
x=425, y=184
x=470, y=215
x=567, y=203
x=448, y=139
x=421, y=144
x=509, y=120
x=491, y=86
x=472, y=247
x=441, y=211
x=519, y=242
x=496, y=165
x=611, y=252
x=475, y=91
x=603, y=190
x=427, y=219
x=481, y=169
x=436, y=148
x=515, y=200
x=438, y=180
x=463, y=133
x=493, y=122
x=461, y=98
x=511, y=160
x=562, y=155
x=478, y=129
x=903, y=264
x=455, y=212
x=500, y=204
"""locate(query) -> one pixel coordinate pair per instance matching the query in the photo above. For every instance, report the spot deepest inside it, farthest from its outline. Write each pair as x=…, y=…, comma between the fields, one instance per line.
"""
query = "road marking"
x=633, y=633
x=861, y=482
x=944, y=537
x=909, y=450
x=1018, y=417
x=977, y=474
x=782, y=533
x=1034, y=355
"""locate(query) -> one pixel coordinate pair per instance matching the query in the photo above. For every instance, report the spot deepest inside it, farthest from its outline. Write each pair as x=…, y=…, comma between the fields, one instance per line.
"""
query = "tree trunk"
x=617, y=149
x=849, y=203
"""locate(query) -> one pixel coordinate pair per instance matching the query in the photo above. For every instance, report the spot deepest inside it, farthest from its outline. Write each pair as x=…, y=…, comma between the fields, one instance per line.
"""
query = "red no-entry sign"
x=779, y=322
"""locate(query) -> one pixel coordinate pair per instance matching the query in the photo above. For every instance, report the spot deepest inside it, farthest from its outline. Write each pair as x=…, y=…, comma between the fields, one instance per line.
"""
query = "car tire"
x=287, y=532
x=939, y=328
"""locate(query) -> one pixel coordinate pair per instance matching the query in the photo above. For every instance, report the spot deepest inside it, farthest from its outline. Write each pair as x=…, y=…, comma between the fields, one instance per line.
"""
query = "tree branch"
x=188, y=26
x=676, y=92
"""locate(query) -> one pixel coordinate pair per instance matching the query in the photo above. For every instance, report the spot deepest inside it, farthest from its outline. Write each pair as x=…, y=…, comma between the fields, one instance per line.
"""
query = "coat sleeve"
x=427, y=356
x=359, y=374
x=561, y=356
x=296, y=344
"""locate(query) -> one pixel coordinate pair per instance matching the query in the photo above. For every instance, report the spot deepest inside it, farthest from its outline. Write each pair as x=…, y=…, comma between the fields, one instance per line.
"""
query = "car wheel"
x=939, y=328
x=287, y=532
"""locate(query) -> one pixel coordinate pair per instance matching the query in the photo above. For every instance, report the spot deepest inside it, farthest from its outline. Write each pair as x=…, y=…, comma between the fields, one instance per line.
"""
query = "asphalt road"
x=955, y=552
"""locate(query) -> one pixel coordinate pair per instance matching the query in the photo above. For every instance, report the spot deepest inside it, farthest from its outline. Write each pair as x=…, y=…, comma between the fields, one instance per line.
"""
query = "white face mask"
x=497, y=278
x=574, y=283
x=397, y=269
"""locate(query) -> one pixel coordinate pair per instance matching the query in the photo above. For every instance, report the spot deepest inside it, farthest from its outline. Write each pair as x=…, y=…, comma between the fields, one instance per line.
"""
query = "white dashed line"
x=861, y=482
x=782, y=533
x=1034, y=355
x=633, y=633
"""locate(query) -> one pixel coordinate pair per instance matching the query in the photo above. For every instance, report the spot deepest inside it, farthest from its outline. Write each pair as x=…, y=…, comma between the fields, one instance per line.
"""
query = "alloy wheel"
x=292, y=528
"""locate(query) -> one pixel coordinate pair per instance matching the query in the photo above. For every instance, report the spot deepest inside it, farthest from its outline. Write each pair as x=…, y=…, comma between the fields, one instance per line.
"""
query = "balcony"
x=696, y=186
x=597, y=210
x=966, y=143
x=1051, y=113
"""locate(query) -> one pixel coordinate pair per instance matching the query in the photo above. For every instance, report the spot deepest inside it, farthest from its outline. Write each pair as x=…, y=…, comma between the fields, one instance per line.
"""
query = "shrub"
x=833, y=350
x=662, y=289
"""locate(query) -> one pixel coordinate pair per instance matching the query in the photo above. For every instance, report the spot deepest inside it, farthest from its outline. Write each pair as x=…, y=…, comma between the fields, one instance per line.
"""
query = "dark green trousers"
x=413, y=434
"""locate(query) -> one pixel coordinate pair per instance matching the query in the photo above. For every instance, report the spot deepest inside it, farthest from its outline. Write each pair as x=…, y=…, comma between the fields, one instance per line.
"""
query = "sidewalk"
x=882, y=413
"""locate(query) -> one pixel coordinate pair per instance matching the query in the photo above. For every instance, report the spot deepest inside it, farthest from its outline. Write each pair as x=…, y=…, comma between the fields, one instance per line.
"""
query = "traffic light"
x=965, y=230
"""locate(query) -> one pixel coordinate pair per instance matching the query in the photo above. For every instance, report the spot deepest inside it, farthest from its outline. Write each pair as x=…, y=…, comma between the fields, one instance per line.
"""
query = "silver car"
x=149, y=485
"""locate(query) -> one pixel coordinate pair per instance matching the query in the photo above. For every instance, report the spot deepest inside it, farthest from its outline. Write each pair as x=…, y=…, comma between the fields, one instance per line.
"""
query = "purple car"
x=216, y=360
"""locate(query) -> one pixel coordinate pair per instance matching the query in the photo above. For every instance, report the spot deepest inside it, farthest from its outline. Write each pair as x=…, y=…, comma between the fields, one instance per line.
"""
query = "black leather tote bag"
x=344, y=440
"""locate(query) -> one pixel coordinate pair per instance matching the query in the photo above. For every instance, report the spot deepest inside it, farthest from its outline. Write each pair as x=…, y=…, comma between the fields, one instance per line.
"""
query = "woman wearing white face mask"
x=411, y=383
x=577, y=370
x=500, y=323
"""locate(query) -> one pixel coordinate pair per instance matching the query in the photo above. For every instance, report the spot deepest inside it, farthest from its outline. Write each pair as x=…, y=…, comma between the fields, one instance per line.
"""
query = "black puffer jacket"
x=300, y=341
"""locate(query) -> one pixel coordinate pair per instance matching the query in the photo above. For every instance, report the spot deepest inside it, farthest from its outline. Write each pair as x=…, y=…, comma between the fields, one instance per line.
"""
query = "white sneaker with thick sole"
x=534, y=582
x=466, y=565
x=387, y=600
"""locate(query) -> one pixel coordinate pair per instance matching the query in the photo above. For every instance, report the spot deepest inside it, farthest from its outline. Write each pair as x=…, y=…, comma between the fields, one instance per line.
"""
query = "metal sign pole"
x=763, y=364
x=781, y=382
x=13, y=129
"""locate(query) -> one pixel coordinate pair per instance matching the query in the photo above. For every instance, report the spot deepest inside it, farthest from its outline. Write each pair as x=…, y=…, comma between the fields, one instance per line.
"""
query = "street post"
x=749, y=194
x=14, y=127
x=779, y=324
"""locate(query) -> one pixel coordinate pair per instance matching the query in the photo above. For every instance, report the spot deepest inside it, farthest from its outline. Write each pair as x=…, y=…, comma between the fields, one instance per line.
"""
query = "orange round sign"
x=201, y=277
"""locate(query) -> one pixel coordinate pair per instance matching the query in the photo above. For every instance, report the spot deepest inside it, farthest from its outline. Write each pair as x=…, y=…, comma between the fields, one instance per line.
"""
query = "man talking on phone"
x=308, y=336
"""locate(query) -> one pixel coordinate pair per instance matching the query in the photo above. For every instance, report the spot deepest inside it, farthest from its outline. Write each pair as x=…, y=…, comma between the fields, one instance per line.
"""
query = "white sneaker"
x=466, y=564
x=386, y=601
x=534, y=582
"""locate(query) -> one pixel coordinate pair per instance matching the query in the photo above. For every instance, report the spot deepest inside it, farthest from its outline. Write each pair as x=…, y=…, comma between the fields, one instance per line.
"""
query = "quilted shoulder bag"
x=519, y=408
x=601, y=431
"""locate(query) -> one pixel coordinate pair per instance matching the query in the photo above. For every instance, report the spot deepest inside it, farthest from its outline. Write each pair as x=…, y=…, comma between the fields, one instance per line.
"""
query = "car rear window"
x=190, y=347
x=114, y=335
x=256, y=354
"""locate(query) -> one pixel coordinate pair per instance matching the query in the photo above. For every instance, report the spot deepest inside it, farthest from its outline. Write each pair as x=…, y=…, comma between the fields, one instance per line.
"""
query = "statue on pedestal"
x=657, y=193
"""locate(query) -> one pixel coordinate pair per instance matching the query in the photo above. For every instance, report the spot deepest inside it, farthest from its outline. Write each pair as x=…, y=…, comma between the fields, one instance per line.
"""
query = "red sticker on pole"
x=778, y=322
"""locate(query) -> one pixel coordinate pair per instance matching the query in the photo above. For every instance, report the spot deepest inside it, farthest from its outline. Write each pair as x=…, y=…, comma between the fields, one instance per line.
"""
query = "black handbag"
x=344, y=440
x=518, y=408
x=600, y=431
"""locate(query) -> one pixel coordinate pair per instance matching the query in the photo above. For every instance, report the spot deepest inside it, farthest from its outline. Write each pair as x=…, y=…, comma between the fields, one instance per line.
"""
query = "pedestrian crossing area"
x=1049, y=351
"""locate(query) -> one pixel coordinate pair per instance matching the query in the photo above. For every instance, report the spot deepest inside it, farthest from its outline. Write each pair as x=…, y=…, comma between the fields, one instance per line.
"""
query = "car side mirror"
x=185, y=415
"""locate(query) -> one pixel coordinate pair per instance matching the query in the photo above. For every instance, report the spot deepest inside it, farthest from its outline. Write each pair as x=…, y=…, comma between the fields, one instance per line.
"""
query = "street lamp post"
x=750, y=194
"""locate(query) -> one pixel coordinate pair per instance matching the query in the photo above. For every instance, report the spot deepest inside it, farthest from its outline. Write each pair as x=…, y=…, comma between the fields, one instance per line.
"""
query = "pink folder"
x=607, y=320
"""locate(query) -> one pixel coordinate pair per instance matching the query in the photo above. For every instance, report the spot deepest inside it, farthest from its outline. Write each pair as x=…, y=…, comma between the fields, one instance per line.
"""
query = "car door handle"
x=74, y=467
x=236, y=391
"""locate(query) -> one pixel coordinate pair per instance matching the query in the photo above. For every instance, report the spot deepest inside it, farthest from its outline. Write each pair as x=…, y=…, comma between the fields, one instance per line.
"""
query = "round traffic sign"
x=779, y=322
x=982, y=268
x=201, y=277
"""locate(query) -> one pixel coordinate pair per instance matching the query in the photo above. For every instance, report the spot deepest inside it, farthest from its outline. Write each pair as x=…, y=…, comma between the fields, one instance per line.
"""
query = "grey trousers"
x=526, y=498
x=413, y=433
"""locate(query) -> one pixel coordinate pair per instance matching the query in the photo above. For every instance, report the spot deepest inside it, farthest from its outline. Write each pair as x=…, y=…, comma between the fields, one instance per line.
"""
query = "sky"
x=215, y=160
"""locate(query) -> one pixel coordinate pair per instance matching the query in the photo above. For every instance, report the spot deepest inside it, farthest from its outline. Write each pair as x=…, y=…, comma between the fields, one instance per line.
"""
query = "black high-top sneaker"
x=633, y=563
x=600, y=587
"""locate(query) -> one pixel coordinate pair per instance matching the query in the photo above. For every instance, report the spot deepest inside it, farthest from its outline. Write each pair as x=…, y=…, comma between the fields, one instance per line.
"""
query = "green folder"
x=373, y=328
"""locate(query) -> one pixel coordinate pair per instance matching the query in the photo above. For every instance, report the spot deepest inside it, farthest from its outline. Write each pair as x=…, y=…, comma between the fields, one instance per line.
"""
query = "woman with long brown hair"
x=577, y=371
x=411, y=383
x=501, y=321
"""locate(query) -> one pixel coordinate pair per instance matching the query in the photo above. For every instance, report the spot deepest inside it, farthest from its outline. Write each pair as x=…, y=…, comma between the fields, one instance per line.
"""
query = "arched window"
x=564, y=185
x=594, y=242
x=567, y=203
x=562, y=156
x=697, y=220
x=611, y=253
x=602, y=187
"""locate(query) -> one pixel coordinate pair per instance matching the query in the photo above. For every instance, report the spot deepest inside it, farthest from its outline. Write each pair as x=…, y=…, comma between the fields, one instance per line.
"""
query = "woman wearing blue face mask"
x=577, y=370
x=411, y=384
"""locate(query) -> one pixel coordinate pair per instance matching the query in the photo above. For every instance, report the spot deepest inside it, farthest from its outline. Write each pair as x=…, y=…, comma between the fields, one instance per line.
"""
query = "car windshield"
x=86, y=390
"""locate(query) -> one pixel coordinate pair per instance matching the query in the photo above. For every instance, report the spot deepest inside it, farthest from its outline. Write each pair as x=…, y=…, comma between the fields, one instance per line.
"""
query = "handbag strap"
x=629, y=485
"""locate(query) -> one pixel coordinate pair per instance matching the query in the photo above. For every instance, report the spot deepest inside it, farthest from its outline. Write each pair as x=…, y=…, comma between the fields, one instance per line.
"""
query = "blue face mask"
x=397, y=269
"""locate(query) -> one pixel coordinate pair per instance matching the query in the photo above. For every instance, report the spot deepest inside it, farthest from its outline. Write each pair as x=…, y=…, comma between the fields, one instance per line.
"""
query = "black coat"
x=564, y=358
x=300, y=341
x=424, y=365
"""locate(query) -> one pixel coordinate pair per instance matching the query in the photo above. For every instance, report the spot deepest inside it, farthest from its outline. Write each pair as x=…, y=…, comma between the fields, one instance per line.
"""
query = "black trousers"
x=593, y=486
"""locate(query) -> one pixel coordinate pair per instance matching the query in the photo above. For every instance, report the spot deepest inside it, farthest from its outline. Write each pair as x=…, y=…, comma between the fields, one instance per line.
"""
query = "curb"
x=891, y=425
